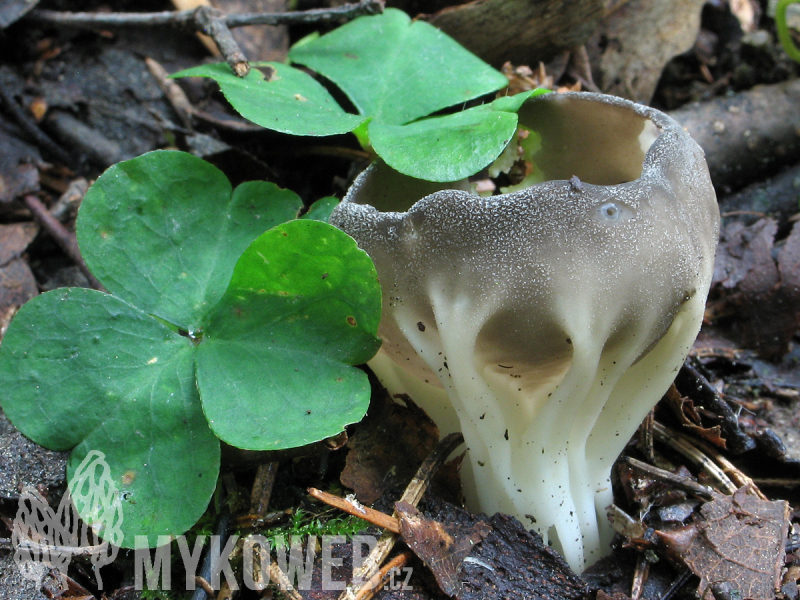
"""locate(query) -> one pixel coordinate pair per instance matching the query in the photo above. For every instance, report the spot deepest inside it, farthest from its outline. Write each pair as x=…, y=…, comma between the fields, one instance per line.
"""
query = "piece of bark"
x=13, y=10
x=691, y=382
x=634, y=43
x=522, y=31
x=441, y=546
x=18, y=159
x=747, y=136
x=75, y=133
x=512, y=563
x=17, y=283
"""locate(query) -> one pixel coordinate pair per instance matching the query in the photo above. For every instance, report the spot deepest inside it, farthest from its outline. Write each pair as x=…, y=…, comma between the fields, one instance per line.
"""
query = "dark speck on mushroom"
x=421, y=326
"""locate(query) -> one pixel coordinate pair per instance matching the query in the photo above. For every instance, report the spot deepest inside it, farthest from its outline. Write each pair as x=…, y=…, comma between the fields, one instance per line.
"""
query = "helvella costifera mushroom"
x=547, y=322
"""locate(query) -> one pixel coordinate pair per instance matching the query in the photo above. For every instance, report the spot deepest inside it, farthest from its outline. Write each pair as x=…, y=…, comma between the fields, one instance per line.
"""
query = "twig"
x=683, y=445
x=381, y=577
x=232, y=124
x=61, y=235
x=282, y=582
x=737, y=476
x=32, y=129
x=370, y=515
x=187, y=18
x=221, y=530
x=210, y=21
x=646, y=435
x=682, y=483
x=640, y=575
x=412, y=495
x=677, y=584
x=736, y=213
x=172, y=91
x=206, y=587
x=787, y=483
x=38, y=548
x=262, y=488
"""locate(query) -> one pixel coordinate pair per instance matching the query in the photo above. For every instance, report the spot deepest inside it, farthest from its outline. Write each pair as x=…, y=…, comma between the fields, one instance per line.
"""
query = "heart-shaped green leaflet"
x=451, y=147
x=396, y=70
x=270, y=367
x=164, y=230
x=285, y=99
x=83, y=367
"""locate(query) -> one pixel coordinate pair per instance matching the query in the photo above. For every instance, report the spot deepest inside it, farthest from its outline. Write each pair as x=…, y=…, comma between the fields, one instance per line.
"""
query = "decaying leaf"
x=17, y=284
x=18, y=172
x=441, y=546
x=737, y=544
x=388, y=449
x=766, y=292
x=688, y=414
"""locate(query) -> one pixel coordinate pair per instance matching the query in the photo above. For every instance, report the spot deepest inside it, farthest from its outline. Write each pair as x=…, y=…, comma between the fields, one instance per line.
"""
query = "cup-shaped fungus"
x=545, y=323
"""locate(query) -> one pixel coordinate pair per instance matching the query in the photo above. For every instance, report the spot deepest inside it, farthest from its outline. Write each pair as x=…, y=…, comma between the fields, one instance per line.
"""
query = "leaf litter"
x=735, y=545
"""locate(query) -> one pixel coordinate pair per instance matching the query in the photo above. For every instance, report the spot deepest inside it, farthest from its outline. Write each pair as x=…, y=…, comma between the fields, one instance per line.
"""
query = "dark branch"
x=187, y=18
x=211, y=21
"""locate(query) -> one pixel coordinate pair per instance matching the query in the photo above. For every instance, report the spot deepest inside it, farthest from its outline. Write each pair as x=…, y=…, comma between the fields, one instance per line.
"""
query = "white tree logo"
x=43, y=538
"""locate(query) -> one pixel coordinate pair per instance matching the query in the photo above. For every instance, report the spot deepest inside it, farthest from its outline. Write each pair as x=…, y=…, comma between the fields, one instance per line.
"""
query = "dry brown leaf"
x=738, y=543
x=685, y=410
x=765, y=296
x=388, y=449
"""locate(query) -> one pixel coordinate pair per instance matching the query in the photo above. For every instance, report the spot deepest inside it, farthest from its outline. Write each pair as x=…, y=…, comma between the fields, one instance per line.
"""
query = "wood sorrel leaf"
x=272, y=368
x=396, y=70
x=118, y=375
x=285, y=99
x=451, y=147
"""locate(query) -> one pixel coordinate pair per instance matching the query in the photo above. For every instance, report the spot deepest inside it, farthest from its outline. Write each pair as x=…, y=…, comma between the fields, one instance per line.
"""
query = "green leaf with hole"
x=396, y=70
x=297, y=310
x=281, y=98
x=118, y=374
